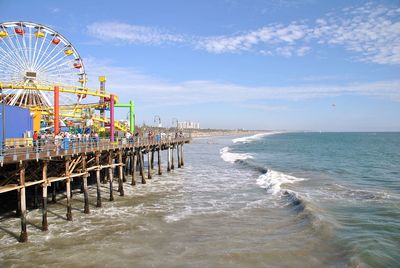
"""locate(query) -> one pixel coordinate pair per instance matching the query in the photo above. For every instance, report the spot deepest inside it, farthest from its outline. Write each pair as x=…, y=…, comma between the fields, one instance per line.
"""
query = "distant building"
x=188, y=125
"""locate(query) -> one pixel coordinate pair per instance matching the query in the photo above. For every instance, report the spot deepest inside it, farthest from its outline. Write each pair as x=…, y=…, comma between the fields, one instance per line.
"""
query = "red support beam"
x=112, y=118
x=56, y=110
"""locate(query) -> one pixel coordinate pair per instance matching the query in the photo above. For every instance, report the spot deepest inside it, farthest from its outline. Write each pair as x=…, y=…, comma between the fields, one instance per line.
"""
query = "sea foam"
x=230, y=157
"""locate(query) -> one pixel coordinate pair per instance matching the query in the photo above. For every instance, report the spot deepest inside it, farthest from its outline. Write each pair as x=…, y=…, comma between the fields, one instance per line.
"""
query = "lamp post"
x=157, y=119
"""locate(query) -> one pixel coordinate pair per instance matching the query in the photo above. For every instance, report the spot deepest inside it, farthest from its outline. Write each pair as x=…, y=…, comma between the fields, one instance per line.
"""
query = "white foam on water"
x=272, y=181
x=254, y=137
x=227, y=156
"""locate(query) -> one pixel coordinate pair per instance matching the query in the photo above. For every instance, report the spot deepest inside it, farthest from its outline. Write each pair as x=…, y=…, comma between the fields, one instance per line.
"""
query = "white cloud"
x=149, y=90
x=371, y=31
x=133, y=34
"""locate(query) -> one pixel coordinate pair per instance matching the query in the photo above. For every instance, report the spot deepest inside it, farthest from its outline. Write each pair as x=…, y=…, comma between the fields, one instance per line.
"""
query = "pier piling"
x=172, y=157
x=182, y=164
x=159, y=160
x=121, y=174
x=68, y=189
x=178, y=156
x=149, y=164
x=86, y=209
x=133, y=166
x=169, y=158
x=97, y=159
x=110, y=174
x=44, y=196
x=24, y=235
x=142, y=167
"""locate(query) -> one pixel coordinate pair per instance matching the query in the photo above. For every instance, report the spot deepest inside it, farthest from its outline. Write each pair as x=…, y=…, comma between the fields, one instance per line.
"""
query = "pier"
x=53, y=167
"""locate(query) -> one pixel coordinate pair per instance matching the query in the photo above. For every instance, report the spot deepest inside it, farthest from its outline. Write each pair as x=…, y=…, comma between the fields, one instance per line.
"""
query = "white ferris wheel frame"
x=24, y=53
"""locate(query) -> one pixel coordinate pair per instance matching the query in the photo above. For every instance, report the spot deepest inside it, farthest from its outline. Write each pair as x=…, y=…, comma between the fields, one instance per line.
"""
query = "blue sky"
x=295, y=65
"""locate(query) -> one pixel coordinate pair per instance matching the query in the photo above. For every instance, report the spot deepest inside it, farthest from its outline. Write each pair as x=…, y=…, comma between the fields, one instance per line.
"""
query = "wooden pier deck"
x=55, y=165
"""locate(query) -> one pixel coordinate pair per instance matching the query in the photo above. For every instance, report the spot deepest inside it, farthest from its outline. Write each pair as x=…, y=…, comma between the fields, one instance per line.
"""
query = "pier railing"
x=52, y=147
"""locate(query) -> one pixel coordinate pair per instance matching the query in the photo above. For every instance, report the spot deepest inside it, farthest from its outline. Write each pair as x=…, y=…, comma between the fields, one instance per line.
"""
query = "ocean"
x=269, y=200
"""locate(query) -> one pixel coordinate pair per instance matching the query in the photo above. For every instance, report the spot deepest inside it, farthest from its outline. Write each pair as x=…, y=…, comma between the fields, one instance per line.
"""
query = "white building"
x=188, y=125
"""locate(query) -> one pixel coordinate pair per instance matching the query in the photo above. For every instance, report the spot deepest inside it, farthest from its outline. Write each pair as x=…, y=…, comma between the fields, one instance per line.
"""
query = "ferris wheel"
x=36, y=56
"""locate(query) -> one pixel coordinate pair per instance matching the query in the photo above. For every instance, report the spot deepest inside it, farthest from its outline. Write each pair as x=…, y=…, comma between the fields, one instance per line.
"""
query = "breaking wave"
x=254, y=137
x=272, y=181
x=230, y=157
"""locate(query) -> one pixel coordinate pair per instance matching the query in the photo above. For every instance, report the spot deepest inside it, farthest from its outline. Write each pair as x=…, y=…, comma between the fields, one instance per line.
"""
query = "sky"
x=260, y=64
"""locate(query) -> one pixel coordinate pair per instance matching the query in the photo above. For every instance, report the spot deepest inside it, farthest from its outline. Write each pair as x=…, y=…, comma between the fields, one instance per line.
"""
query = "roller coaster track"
x=63, y=88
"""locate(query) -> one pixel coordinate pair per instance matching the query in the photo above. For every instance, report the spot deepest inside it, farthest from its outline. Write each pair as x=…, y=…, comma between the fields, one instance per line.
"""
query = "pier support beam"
x=86, y=209
x=152, y=159
x=178, y=156
x=133, y=166
x=148, y=165
x=44, y=196
x=68, y=190
x=182, y=155
x=24, y=235
x=121, y=174
x=172, y=157
x=169, y=158
x=53, y=193
x=159, y=160
x=97, y=159
x=142, y=166
x=110, y=174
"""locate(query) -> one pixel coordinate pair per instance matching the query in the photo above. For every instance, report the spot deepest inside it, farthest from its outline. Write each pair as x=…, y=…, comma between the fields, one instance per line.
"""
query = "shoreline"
x=217, y=133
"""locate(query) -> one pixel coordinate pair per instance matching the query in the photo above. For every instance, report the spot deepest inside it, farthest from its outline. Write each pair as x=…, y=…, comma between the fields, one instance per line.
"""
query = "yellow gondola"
x=3, y=34
x=39, y=34
x=68, y=52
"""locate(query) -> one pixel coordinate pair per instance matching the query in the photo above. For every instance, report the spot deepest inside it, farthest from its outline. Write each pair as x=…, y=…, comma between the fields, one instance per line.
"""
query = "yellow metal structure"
x=63, y=88
x=102, y=79
x=37, y=116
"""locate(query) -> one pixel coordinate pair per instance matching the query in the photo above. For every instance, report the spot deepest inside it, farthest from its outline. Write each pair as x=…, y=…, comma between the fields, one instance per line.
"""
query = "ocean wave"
x=230, y=157
x=272, y=181
x=253, y=137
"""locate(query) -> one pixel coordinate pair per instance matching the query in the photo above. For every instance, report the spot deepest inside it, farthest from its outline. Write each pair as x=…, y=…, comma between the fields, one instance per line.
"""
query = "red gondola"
x=19, y=31
x=77, y=65
x=56, y=41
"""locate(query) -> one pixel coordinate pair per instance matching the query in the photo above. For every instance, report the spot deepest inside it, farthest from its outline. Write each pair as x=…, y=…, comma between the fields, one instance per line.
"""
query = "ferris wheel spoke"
x=50, y=61
x=13, y=51
x=15, y=96
x=47, y=101
x=62, y=70
x=40, y=49
x=42, y=55
x=20, y=51
x=30, y=52
x=7, y=55
x=44, y=59
x=35, y=49
x=25, y=49
x=8, y=59
x=60, y=66
x=9, y=65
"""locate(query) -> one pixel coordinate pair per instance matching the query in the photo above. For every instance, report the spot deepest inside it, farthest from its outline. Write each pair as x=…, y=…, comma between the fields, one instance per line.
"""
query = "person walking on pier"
x=36, y=140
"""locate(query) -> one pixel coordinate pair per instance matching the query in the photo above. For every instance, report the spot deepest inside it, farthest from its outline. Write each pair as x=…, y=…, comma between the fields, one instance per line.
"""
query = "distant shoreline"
x=215, y=133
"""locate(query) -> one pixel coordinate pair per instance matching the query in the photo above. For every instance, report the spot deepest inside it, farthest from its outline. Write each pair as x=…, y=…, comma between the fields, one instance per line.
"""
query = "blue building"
x=17, y=121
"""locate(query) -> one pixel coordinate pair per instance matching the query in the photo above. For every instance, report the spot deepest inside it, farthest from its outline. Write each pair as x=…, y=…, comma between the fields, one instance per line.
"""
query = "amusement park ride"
x=42, y=71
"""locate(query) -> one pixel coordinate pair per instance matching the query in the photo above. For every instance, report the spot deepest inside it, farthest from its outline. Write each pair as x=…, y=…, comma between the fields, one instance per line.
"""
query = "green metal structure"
x=131, y=107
